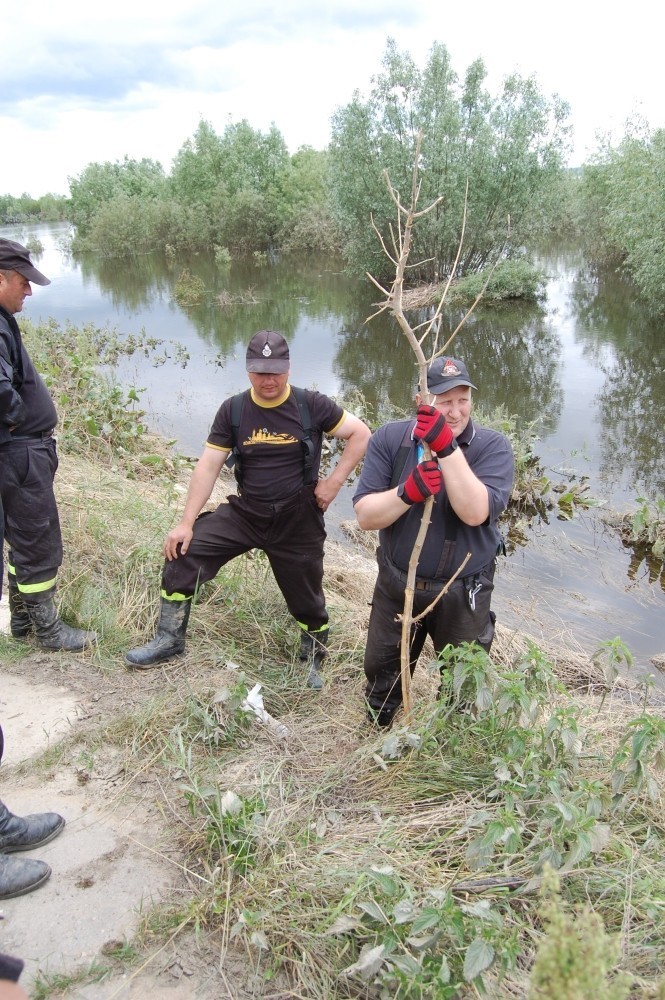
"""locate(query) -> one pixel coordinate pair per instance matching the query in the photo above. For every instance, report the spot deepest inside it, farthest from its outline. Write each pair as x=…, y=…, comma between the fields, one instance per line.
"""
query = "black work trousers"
x=291, y=533
x=31, y=522
x=452, y=620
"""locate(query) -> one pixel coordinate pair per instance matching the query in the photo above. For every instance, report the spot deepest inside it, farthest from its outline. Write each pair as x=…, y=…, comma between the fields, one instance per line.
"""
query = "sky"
x=83, y=82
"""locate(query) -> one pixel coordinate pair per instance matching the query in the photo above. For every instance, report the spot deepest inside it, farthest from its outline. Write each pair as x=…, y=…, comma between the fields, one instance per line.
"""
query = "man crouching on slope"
x=275, y=432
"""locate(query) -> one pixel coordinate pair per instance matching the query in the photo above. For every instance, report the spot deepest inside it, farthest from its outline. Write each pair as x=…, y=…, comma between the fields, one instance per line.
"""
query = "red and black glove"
x=424, y=482
x=431, y=426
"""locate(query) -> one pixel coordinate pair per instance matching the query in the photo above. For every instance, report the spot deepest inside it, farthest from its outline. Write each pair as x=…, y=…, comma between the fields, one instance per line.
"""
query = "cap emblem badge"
x=450, y=368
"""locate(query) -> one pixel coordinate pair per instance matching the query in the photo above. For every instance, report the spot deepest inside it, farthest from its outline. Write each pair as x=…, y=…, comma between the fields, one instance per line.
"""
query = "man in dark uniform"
x=28, y=463
x=470, y=478
x=279, y=508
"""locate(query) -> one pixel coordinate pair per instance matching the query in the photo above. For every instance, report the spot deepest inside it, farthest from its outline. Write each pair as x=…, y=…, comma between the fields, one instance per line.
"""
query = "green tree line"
x=24, y=208
x=240, y=191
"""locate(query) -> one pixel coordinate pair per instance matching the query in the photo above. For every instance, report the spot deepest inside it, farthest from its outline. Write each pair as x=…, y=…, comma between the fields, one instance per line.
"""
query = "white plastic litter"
x=254, y=703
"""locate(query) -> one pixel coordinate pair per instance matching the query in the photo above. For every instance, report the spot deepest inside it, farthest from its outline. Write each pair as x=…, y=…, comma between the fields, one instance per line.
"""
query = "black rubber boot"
x=23, y=833
x=381, y=717
x=50, y=631
x=21, y=875
x=313, y=652
x=169, y=639
x=19, y=621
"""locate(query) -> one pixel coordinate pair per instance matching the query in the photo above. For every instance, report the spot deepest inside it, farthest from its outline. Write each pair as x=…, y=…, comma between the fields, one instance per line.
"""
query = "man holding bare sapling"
x=470, y=476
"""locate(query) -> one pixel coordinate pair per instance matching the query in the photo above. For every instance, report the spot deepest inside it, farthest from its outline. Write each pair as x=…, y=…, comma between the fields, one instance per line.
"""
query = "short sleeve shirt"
x=270, y=441
x=490, y=457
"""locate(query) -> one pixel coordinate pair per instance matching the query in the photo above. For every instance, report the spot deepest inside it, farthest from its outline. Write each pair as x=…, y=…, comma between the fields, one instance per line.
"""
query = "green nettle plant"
x=424, y=946
x=474, y=676
x=639, y=755
x=611, y=656
x=537, y=807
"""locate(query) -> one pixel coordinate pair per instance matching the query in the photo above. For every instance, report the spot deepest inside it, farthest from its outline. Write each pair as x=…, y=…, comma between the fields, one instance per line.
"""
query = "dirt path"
x=110, y=863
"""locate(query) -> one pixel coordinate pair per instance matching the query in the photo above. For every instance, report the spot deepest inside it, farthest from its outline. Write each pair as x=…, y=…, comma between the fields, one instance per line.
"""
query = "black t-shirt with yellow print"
x=269, y=440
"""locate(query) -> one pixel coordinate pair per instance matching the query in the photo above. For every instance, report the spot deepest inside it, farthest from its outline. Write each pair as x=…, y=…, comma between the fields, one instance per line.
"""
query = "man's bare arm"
x=202, y=483
x=356, y=434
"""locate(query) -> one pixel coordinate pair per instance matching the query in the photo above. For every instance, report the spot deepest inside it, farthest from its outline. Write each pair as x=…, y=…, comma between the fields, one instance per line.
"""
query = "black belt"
x=276, y=506
x=418, y=584
x=37, y=436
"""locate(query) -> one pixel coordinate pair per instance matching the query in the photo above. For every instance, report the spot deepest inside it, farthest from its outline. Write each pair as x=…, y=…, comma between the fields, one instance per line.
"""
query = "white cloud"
x=80, y=83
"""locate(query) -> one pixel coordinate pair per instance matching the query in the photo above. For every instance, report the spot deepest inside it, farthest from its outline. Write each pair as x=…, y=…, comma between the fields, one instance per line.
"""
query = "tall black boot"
x=313, y=652
x=169, y=638
x=19, y=620
x=50, y=631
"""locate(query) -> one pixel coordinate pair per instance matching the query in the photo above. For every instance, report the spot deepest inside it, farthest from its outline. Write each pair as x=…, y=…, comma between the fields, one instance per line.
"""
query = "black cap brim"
x=271, y=366
x=30, y=272
x=449, y=383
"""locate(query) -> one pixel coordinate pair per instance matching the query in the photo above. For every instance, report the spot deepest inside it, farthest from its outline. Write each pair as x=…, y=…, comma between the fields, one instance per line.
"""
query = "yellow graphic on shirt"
x=264, y=436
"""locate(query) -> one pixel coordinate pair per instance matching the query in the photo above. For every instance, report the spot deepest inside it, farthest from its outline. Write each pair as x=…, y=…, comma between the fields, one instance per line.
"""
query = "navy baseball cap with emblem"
x=16, y=257
x=268, y=353
x=447, y=373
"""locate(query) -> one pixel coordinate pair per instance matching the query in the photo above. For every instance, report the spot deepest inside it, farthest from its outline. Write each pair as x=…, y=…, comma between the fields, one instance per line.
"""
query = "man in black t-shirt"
x=279, y=507
x=28, y=463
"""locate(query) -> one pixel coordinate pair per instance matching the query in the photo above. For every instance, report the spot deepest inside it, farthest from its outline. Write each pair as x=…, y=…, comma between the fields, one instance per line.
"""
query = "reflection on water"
x=586, y=366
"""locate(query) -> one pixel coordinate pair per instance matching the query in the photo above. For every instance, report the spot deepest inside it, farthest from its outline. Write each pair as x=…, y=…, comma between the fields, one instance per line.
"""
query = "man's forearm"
x=379, y=510
x=348, y=460
x=467, y=494
x=12, y=408
x=353, y=453
x=200, y=489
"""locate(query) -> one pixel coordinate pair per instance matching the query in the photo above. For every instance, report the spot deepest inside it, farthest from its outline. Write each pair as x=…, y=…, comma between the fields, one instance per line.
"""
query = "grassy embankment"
x=332, y=860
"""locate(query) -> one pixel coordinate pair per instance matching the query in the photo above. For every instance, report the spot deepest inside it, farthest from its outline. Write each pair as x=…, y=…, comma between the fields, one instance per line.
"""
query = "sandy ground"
x=108, y=865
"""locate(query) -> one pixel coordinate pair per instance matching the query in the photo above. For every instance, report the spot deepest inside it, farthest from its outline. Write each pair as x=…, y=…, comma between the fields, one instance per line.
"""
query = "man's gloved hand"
x=424, y=482
x=431, y=426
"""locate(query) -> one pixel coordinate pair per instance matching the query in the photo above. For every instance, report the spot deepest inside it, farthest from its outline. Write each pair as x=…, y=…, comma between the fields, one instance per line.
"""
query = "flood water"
x=586, y=367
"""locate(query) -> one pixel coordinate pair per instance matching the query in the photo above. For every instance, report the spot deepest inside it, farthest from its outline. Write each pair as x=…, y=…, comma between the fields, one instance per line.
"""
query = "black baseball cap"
x=268, y=353
x=447, y=373
x=14, y=257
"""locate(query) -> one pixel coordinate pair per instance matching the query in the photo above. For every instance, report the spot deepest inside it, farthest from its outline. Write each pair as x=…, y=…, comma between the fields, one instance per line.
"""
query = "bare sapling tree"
x=424, y=341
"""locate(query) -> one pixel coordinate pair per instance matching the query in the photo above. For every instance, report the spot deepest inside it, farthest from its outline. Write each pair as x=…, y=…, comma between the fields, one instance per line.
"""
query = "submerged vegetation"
x=327, y=859
x=622, y=191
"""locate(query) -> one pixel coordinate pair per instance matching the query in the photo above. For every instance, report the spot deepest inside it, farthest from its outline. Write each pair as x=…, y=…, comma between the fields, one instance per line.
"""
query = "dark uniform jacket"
x=25, y=402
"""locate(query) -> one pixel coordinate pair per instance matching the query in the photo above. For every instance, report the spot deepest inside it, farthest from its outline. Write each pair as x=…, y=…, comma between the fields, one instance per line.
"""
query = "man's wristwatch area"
x=448, y=450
